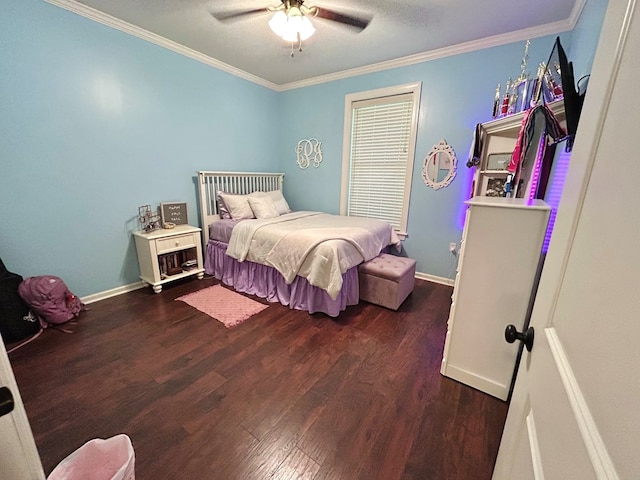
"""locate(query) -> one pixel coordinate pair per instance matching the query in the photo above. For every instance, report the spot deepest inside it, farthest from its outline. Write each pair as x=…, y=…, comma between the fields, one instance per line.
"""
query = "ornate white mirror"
x=439, y=166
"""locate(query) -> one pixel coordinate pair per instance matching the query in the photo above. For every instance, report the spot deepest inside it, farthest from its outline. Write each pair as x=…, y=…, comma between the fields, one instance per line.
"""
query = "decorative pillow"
x=278, y=199
x=263, y=207
x=237, y=205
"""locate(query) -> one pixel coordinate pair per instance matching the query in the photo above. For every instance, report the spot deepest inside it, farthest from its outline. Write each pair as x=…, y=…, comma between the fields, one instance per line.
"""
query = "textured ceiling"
x=398, y=30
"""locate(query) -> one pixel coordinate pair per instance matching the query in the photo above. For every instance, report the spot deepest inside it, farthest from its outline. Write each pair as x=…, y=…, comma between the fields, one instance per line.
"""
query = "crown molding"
x=576, y=12
x=488, y=42
x=109, y=21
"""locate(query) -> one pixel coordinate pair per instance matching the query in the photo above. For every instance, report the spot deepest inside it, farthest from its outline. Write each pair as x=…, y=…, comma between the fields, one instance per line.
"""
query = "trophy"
x=505, y=100
x=522, y=87
x=496, y=103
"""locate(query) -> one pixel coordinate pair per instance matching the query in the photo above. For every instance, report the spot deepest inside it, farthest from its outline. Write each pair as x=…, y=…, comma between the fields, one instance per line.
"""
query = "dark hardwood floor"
x=285, y=395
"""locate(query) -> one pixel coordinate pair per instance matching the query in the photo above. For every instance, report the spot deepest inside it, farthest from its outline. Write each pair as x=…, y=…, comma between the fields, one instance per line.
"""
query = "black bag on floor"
x=16, y=323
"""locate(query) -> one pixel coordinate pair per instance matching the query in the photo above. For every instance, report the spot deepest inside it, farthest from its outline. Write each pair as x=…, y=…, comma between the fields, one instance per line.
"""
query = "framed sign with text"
x=174, y=212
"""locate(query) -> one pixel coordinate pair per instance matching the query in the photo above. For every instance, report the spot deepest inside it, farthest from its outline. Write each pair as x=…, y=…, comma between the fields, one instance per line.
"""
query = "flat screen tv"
x=559, y=72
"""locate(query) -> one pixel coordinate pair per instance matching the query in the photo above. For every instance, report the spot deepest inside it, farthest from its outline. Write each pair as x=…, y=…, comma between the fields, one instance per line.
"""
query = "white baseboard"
x=476, y=381
x=95, y=297
x=434, y=279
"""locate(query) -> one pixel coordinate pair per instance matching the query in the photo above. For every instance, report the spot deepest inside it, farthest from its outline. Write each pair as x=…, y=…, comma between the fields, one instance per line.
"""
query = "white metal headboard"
x=240, y=183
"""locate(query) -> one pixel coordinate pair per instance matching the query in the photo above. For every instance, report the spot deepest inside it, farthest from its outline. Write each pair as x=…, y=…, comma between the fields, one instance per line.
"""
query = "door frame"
x=15, y=428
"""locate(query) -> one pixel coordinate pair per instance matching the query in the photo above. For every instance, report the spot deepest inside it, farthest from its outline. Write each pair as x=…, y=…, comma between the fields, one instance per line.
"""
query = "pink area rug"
x=226, y=306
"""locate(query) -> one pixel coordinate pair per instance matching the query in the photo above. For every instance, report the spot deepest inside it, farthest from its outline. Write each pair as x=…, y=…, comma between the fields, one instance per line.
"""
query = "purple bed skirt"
x=266, y=282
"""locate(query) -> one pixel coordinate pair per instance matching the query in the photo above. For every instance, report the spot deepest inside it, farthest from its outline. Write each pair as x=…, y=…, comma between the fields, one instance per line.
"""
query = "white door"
x=19, y=459
x=574, y=414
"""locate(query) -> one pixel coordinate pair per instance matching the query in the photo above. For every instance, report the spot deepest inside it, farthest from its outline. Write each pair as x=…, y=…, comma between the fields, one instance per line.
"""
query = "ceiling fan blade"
x=232, y=15
x=359, y=22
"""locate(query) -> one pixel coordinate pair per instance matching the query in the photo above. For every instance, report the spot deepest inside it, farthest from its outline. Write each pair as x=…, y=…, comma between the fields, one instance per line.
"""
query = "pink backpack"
x=50, y=299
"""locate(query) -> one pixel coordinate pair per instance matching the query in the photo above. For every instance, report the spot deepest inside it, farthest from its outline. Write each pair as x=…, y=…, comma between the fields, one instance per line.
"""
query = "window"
x=379, y=148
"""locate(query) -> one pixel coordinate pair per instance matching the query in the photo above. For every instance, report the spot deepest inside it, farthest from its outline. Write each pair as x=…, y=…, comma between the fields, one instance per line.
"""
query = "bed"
x=305, y=260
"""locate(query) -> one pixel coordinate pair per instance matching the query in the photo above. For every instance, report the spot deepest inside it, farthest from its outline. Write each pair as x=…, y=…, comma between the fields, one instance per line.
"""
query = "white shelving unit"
x=500, y=138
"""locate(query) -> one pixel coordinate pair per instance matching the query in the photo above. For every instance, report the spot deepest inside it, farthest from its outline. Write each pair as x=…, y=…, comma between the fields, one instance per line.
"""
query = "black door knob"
x=6, y=401
x=511, y=335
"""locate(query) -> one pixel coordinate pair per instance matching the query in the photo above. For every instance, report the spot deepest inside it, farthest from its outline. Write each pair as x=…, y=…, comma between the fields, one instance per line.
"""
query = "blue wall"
x=95, y=122
x=584, y=37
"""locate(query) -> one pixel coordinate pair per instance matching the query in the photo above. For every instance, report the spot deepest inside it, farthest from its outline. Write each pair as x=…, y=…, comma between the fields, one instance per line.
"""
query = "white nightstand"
x=161, y=254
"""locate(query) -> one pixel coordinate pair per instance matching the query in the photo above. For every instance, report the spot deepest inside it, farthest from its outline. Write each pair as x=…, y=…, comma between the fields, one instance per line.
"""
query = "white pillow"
x=263, y=206
x=237, y=205
x=278, y=199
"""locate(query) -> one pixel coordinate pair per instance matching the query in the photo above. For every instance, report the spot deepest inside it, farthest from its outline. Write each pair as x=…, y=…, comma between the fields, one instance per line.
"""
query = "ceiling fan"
x=291, y=19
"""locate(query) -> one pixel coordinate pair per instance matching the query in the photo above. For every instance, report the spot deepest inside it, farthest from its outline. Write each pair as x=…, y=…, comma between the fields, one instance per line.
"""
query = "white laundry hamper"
x=98, y=459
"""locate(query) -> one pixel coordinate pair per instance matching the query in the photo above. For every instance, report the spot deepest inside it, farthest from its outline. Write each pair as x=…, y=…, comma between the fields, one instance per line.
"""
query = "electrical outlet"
x=453, y=248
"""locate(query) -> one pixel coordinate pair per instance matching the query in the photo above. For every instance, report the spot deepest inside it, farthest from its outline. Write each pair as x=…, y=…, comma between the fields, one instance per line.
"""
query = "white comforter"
x=317, y=246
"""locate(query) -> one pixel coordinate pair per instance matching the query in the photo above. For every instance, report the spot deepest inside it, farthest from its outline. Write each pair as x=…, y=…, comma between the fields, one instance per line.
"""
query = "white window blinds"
x=381, y=132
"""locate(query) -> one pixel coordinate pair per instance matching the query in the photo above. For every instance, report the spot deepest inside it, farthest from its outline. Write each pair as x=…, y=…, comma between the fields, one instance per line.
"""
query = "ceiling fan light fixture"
x=289, y=26
x=278, y=23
